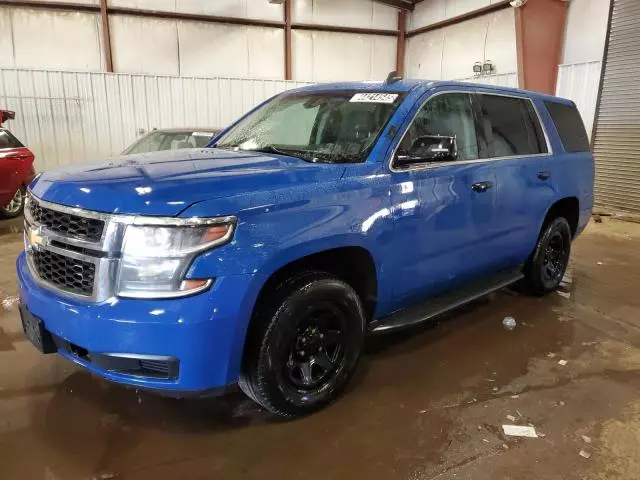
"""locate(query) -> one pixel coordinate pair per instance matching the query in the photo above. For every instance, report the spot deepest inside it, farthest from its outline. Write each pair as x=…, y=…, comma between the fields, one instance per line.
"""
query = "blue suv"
x=325, y=214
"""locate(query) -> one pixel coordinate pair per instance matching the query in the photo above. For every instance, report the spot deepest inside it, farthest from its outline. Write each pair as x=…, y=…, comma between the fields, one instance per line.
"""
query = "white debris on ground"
x=563, y=294
x=10, y=302
x=511, y=418
x=562, y=363
x=105, y=476
x=551, y=355
x=520, y=431
x=584, y=454
x=509, y=323
x=586, y=439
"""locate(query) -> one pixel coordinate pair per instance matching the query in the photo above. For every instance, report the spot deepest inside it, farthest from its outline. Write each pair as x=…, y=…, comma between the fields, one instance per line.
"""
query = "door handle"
x=481, y=187
x=544, y=175
x=15, y=156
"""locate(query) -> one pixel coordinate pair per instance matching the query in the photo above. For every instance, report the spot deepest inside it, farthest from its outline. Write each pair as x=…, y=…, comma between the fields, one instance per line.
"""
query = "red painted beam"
x=400, y=49
x=287, y=40
x=106, y=35
x=540, y=28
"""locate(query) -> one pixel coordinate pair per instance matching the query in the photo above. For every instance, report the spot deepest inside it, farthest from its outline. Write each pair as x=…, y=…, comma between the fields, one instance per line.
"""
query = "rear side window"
x=512, y=126
x=570, y=127
x=7, y=140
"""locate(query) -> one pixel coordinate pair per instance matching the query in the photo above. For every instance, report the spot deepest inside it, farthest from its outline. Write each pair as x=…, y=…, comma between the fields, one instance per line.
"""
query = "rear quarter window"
x=570, y=126
x=7, y=140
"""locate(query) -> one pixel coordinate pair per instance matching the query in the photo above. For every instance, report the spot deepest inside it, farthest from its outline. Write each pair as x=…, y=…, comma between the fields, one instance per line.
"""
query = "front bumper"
x=204, y=333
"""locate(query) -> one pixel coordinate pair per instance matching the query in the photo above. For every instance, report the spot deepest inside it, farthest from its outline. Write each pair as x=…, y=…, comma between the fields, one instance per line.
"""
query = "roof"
x=405, y=85
x=186, y=129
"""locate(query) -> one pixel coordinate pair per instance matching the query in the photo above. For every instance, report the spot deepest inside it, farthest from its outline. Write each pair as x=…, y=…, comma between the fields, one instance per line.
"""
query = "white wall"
x=65, y=40
x=254, y=9
x=433, y=11
x=79, y=2
x=586, y=31
x=67, y=117
x=189, y=48
x=327, y=56
x=345, y=13
x=60, y=40
x=450, y=52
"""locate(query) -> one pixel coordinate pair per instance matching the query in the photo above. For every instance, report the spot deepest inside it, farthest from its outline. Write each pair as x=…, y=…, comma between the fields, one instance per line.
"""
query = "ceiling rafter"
x=407, y=5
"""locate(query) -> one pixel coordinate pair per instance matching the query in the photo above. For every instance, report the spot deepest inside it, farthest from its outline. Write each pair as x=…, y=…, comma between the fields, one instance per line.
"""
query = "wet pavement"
x=425, y=404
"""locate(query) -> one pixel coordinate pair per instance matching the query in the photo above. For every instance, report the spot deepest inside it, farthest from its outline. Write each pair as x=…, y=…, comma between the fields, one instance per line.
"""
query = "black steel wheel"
x=318, y=348
x=548, y=263
x=304, y=345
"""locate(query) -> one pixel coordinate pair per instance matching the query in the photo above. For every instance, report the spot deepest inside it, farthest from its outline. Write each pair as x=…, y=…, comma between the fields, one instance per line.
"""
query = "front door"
x=444, y=211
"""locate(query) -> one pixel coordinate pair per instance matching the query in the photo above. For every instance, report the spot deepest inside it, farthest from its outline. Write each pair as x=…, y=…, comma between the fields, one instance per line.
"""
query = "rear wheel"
x=305, y=345
x=15, y=207
x=547, y=265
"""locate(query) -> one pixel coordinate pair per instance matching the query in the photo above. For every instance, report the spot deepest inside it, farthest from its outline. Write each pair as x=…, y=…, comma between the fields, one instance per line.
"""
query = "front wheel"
x=305, y=345
x=15, y=207
x=547, y=265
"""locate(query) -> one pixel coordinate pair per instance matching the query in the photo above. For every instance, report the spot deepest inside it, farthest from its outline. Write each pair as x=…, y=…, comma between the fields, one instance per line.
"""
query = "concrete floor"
x=427, y=404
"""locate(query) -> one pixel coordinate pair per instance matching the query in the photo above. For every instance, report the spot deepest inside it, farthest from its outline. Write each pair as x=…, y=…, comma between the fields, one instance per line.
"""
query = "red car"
x=16, y=170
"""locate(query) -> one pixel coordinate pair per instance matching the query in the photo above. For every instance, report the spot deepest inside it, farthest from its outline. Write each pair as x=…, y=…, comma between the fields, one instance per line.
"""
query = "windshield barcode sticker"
x=374, y=97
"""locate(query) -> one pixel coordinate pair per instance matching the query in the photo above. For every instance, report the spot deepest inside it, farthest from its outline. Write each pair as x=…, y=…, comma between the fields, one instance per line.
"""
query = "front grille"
x=67, y=224
x=69, y=274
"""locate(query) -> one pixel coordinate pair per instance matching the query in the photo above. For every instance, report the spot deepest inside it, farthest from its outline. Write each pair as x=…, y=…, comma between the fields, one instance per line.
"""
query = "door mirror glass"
x=430, y=148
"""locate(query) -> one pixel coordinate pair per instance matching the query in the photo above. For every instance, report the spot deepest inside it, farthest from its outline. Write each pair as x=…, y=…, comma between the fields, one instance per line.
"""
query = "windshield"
x=159, y=140
x=333, y=127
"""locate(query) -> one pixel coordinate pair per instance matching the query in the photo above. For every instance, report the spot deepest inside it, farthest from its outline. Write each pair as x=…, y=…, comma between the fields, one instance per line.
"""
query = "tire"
x=546, y=266
x=14, y=208
x=304, y=346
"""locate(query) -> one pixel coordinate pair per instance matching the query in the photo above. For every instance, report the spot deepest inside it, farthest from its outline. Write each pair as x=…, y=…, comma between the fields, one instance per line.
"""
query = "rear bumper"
x=202, y=335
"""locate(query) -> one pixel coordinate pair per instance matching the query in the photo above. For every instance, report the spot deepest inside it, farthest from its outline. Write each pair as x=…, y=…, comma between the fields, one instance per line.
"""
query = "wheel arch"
x=567, y=207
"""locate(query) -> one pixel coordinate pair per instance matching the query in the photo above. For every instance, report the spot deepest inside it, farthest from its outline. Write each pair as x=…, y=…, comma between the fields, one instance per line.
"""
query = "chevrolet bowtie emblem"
x=36, y=238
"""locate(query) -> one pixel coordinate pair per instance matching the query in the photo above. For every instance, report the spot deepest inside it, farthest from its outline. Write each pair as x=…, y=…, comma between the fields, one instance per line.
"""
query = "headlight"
x=155, y=258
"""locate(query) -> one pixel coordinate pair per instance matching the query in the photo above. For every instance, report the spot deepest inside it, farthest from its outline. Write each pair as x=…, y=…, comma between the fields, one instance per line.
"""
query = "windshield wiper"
x=306, y=155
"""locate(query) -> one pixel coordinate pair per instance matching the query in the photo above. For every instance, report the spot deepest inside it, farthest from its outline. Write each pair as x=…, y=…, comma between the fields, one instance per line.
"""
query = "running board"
x=445, y=302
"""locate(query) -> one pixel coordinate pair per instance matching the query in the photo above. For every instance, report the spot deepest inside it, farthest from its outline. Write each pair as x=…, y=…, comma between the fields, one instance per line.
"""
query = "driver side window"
x=448, y=115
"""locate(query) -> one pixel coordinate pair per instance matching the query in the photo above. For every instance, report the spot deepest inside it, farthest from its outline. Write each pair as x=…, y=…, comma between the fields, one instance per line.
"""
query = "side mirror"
x=430, y=148
x=6, y=115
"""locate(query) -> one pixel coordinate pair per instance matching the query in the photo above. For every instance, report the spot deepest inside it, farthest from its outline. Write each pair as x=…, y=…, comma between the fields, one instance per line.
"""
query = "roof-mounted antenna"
x=393, y=77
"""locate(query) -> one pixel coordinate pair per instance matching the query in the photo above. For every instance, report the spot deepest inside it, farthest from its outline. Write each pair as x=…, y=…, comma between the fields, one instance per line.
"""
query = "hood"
x=165, y=183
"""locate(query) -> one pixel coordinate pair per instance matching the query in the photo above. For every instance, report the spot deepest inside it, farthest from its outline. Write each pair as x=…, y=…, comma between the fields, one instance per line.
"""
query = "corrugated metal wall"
x=579, y=82
x=616, y=143
x=71, y=117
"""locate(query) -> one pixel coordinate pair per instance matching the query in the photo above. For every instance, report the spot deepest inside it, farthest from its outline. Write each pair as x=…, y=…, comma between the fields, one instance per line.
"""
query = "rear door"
x=521, y=156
